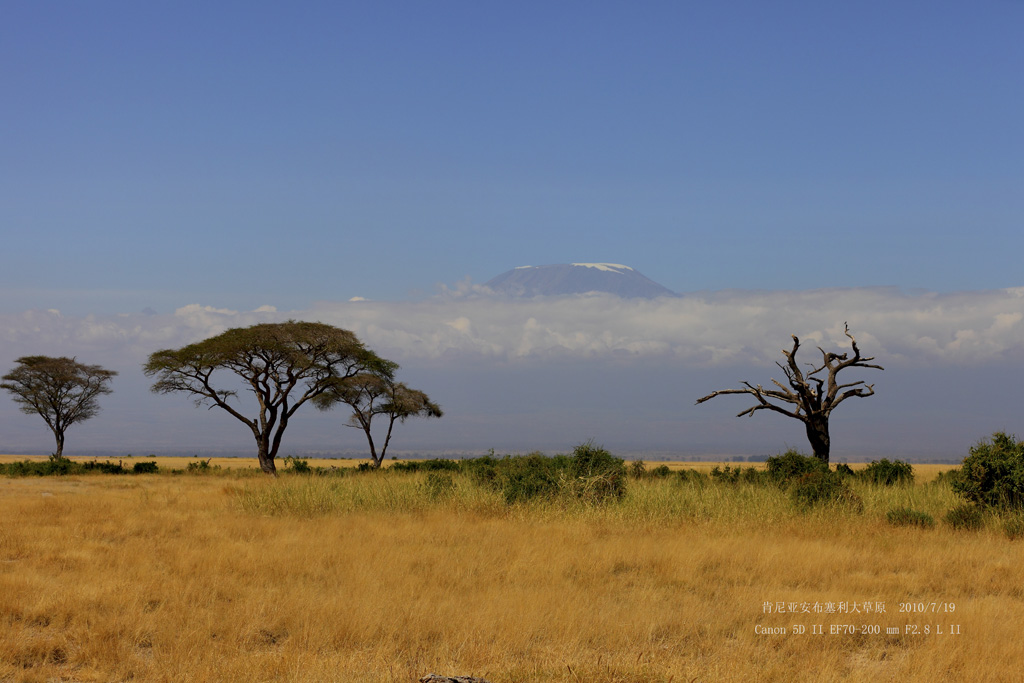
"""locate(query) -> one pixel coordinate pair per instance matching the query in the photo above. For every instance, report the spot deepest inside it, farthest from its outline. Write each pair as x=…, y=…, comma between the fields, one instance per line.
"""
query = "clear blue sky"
x=247, y=153
x=203, y=159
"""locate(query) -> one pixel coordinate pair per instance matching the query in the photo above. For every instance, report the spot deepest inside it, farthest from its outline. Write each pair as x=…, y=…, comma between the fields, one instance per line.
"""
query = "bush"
x=947, y=477
x=439, y=485
x=909, y=517
x=145, y=467
x=528, y=477
x=427, y=465
x=729, y=475
x=597, y=475
x=792, y=465
x=201, y=467
x=844, y=470
x=659, y=472
x=105, y=467
x=732, y=475
x=888, y=473
x=638, y=470
x=295, y=465
x=965, y=518
x=1013, y=527
x=65, y=466
x=993, y=473
x=37, y=468
x=822, y=486
x=692, y=476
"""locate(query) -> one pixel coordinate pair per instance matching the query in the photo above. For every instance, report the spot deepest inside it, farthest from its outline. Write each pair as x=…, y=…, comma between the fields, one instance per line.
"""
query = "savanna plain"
x=231, y=575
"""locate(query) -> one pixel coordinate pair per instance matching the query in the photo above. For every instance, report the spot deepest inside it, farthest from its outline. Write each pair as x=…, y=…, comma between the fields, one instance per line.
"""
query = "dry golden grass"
x=186, y=578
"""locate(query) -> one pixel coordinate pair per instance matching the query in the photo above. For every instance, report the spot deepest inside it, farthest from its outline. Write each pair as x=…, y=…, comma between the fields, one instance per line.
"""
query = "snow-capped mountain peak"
x=577, y=278
x=607, y=267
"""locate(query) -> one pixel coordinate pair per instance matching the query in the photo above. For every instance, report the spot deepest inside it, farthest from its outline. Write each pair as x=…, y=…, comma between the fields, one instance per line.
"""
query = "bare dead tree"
x=809, y=397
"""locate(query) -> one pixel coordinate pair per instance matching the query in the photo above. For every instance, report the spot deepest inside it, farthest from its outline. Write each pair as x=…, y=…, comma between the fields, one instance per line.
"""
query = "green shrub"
x=37, y=468
x=993, y=473
x=597, y=475
x=62, y=466
x=1013, y=527
x=733, y=475
x=432, y=465
x=522, y=483
x=821, y=486
x=729, y=475
x=909, y=517
x=692, y=476
x=518, y=478
x=295, y=465
x=966, y=518
x=439, y=485
x=887, y=472
x=638, y=470
x=201, y=467
x=659, y=472
x=844, y=470
x=483, y=470
x=792, y=465
x=106, y=467
x=145, y=467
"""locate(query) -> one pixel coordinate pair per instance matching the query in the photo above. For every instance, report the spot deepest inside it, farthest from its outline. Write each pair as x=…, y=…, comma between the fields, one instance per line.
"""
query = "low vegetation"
x=993, y=474
x=518, y=568
x=61, y=466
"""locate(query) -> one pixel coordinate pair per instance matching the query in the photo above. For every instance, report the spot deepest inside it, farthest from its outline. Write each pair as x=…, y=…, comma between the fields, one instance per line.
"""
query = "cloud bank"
x=702, y=330
x=550, y=372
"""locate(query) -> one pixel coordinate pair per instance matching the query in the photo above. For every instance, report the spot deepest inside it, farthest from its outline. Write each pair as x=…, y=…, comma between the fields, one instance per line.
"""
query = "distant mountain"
x=577, y=278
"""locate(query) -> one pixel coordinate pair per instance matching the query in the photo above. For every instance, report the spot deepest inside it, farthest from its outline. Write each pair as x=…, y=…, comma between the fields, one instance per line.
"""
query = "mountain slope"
x=577, y=278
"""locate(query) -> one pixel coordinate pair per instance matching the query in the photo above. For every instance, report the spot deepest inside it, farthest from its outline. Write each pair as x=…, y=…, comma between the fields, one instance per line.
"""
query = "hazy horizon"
x=547, y=373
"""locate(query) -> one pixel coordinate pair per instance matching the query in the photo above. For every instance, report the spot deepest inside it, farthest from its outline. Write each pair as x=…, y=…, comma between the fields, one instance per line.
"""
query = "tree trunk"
x=817, y=434
x=265, y=456
x=60, y=443
x=373, y=449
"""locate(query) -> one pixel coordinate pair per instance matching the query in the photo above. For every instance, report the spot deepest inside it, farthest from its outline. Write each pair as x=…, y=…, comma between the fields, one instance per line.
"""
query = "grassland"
x=377, y=578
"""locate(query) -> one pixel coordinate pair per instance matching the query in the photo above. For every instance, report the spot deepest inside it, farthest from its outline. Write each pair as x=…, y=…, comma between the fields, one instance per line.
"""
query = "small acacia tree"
x=60, y=390
x=375, y=392
x=282, y=364
x=809, y=397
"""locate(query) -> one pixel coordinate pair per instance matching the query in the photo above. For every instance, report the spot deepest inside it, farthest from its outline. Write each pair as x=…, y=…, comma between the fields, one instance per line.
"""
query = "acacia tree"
x=60, y=390
x=375, y=392
x=809, y=397
x=282, y=364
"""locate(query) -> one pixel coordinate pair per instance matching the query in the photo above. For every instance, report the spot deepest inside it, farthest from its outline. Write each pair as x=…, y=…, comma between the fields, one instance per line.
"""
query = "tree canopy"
x=60, y=390
x=283, y=365
x=375, y=392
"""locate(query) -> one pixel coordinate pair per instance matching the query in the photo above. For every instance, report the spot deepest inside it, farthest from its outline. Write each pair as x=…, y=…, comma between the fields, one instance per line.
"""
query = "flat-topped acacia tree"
x=60, y=390
x=374, y=392
x=810, y=397
x=282, y=364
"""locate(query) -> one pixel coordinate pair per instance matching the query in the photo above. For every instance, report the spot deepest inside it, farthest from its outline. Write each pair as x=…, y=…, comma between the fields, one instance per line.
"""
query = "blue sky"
x=237, y=155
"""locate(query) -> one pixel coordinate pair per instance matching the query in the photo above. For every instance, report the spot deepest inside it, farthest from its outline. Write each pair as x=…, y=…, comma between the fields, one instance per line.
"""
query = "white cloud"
x=712, y=329
x=528, y=373
x=709, y=329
